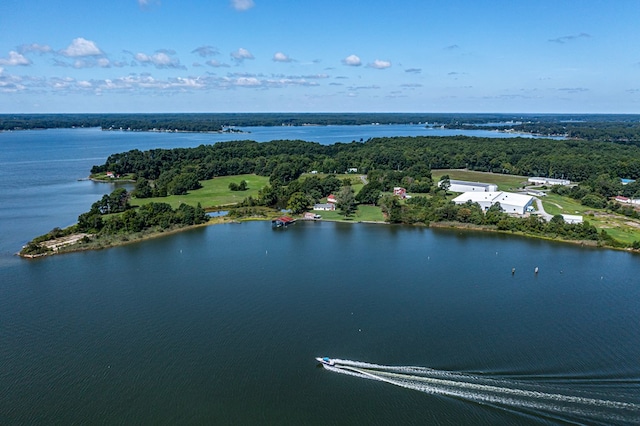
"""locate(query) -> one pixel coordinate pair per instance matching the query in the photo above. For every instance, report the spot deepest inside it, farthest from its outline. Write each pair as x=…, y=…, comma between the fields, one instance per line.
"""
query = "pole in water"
x=513, y=271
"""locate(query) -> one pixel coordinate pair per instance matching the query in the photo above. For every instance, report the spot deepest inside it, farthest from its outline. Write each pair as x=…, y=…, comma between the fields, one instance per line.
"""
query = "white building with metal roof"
x=510, y=202
x=465, y=186
x=537, y=180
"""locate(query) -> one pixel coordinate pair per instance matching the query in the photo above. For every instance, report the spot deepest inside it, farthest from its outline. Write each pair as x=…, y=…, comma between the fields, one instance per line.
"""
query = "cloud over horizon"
x=206, y=51
x=568, y=38
x=352, y=61
x=161, y=59
x=240, y=55
x=81, y=47
x=15, y=59
x=281, y=57
x=242, y=5
x=379, y=64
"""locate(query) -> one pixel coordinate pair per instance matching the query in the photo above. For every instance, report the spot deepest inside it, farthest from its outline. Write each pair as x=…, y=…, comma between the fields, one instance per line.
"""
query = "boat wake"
x=557, y=402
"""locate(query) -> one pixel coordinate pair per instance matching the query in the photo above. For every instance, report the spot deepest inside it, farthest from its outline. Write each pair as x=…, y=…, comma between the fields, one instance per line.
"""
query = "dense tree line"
x=604, y=127
x=284, y=161
x=624, y=129
x=205, y=122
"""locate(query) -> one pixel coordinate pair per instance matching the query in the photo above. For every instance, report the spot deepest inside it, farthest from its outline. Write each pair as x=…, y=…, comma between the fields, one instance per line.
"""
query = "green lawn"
x=364, y=213
x=556, y=204
x=214, y=192
x=504, y=182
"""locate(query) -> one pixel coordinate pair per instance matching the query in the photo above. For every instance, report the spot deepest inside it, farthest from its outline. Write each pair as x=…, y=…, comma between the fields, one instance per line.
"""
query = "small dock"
x=282, y=222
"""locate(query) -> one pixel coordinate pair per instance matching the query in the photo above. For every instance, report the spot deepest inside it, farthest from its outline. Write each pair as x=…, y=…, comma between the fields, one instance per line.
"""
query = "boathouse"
x=282, y=221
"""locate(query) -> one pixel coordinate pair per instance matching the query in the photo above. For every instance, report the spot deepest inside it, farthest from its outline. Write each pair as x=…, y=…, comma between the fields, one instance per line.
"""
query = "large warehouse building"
x=509, y=202
x=464, y=186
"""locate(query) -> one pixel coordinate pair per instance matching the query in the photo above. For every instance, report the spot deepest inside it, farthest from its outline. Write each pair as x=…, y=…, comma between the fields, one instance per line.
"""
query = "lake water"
x=220, y=325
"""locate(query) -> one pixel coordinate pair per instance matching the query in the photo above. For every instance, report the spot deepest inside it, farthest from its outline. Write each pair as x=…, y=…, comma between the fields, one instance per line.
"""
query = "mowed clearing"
x=214, y=193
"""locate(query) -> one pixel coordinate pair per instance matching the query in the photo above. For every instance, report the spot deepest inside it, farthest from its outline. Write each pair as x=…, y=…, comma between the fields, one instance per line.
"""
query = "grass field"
x=504, y=182
x=556, y=204
x=214, y=192
x=363, y=214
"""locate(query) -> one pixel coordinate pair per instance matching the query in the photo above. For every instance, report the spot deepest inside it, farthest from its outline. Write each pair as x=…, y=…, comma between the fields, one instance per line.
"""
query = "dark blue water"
x=220, y=325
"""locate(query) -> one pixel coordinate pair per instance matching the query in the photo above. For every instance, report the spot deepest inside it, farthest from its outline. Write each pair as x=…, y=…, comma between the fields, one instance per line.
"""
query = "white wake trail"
x=492, y=391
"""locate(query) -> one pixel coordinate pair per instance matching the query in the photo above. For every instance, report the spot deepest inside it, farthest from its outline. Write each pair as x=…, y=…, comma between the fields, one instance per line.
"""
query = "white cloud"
x=352, y=61
x=81, y=47
x=281, y=57
x=146, y=3
x=216, y=64
x=380, y=64
x=34, y=47
x=14, y=59
x=242, y=5
x=159, y=59
x=241, y=54
x=104, y=63
x=10, y=83
x=247, y=82
x=205, y=51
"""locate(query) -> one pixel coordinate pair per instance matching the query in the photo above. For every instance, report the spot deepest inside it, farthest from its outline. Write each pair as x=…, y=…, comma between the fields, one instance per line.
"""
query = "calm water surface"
x=220, y=325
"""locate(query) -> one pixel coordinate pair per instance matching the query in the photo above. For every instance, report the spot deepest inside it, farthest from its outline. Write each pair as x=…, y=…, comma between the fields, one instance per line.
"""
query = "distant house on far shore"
x=332, y=199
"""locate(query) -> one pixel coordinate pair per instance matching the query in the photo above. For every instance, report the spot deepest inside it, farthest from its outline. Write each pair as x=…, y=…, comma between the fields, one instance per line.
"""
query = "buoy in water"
x=535, y=270
x=513, y=271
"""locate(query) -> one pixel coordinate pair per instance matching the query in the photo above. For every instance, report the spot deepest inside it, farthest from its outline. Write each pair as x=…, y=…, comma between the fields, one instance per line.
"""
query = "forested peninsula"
x=298, y=174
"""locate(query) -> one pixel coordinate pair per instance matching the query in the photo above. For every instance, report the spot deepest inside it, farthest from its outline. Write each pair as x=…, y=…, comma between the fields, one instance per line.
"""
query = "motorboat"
x=326, y=360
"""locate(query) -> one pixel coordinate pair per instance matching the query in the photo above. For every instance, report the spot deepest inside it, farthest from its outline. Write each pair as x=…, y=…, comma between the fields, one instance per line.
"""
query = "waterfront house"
x=324, y=207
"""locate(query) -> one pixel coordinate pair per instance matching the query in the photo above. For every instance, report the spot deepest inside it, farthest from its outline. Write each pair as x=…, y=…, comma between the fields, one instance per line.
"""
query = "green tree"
x=370, y=193
x=391, y=208
x=346, y=201
x=143, y=189
x=445, y=183
x=594, y=200
x=298, y=202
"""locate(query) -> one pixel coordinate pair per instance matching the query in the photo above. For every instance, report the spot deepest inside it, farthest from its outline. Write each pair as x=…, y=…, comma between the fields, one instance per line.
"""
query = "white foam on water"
x=494, y=391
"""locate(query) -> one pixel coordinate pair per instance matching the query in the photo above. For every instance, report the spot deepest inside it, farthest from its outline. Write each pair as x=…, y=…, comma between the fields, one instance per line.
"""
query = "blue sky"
x=320, y=56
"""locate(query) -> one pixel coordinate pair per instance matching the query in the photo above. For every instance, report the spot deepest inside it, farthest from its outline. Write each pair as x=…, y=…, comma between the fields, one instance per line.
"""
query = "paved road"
x=546, y=216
